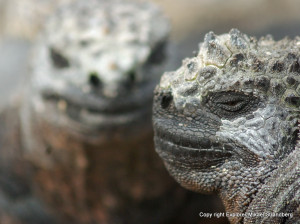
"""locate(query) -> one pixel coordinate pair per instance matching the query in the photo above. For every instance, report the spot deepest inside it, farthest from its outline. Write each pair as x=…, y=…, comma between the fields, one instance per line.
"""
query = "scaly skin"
x=226, y=122
x=85, y=121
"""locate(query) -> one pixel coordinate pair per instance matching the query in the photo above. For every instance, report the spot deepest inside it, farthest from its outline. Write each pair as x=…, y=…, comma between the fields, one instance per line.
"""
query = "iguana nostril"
x=94, y=79
x=132, y=76
x=166, y=100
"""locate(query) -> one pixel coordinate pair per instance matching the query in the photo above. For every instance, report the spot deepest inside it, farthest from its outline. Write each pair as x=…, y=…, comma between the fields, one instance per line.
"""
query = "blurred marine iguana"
x=78, y=148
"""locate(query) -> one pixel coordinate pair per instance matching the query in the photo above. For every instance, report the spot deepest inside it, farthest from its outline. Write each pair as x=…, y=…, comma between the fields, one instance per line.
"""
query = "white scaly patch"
x=107, y=38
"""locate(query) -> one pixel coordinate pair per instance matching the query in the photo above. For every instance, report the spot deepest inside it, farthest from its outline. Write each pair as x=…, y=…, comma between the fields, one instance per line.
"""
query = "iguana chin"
x=227, y=121
x=85, y=134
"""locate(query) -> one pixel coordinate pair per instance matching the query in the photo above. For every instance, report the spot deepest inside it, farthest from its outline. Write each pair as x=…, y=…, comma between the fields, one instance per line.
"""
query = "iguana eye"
x=58, y=60
x=231, y=104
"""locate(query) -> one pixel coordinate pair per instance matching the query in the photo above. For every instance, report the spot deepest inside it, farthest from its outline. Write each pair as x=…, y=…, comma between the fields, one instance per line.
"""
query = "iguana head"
x=95, y=67
x=228, y=116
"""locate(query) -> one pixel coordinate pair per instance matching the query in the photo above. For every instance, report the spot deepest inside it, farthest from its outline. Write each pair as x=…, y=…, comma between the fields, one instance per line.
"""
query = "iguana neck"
x=237, y=199
x=108, y=178
x=262, y=188
x=279, y=195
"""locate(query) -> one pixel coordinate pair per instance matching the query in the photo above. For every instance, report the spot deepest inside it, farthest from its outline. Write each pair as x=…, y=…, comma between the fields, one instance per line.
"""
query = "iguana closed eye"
x=227, y=121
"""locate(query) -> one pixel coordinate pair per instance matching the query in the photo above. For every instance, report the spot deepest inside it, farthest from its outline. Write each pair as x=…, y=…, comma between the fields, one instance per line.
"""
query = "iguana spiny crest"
x=228, y=117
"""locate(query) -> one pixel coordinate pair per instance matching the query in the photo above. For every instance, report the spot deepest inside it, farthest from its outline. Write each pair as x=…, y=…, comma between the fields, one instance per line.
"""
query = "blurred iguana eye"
x=58, y=60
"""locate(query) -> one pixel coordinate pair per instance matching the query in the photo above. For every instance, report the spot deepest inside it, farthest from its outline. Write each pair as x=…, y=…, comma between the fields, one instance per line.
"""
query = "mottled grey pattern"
x=94, y=69
x=226, y=122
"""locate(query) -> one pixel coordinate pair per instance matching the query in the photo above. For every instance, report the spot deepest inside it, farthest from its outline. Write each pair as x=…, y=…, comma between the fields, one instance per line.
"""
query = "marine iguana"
x=227, y=121
x=84, y=139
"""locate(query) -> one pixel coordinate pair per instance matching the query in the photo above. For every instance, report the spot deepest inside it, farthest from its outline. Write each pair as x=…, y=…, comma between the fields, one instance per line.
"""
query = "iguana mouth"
x=105, y=108
x=97, y=103
x=94, y=110
x=200, y=153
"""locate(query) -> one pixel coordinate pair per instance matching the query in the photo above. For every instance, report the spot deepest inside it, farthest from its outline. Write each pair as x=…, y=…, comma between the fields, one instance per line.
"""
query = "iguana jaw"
x=199, y=158
x=96, y=112
x=179, y=142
